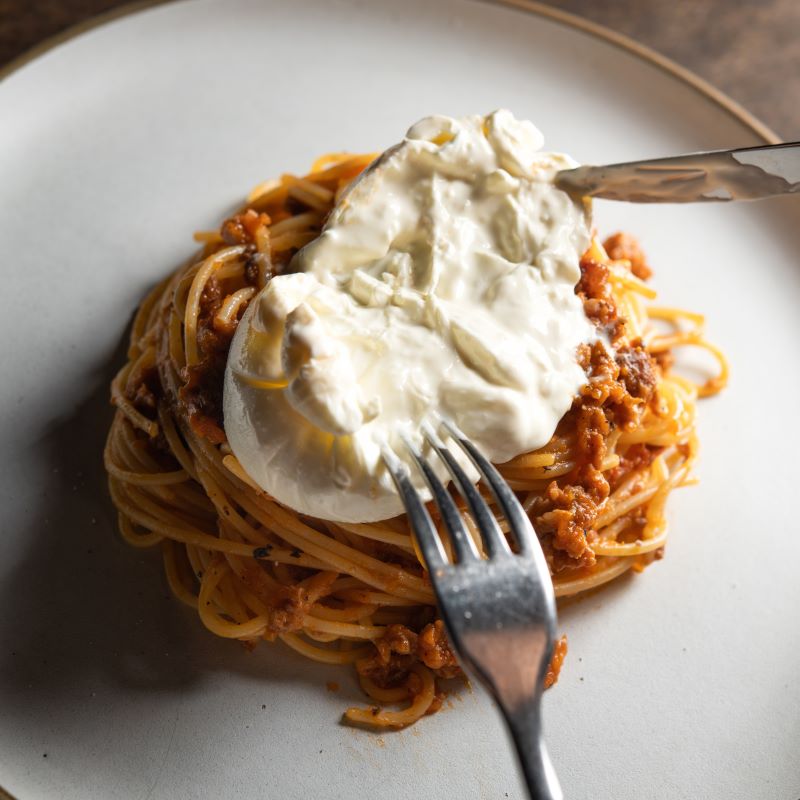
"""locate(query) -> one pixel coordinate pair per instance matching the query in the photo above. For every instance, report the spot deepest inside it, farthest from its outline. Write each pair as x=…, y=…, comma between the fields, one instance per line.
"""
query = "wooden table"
x=748, y=48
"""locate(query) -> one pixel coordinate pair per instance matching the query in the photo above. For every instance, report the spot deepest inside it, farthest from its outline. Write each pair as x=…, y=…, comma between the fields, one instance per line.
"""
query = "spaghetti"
x=357, y=593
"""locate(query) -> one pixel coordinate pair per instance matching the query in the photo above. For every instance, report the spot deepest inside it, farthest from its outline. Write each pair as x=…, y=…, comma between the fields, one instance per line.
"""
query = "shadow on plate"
x=86, y=610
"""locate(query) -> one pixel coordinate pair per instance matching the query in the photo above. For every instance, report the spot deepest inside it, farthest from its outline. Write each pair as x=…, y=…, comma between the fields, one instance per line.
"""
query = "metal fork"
x=500, y=612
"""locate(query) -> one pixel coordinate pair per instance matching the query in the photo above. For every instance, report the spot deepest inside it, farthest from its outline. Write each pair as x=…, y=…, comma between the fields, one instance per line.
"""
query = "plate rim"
x=535, y=7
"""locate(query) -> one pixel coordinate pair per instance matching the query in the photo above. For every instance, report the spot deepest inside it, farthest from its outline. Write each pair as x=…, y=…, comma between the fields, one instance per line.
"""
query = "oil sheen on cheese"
x=442, y=287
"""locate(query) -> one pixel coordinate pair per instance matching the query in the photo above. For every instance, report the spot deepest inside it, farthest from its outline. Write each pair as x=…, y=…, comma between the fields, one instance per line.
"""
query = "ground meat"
x=624, y=246
x=211, y=298
x=288, y=605
x=400, y=648
x=635, y=457
x=570, y=514
x=594, y=279
x=434, y=650
x=598, y=303
x=592, y=429
x=395, y=654
x=201, y=393
x=554, y=668
x=621, y=384
x=246, y=229
x=288, y=609
x=603, y=313
x=636, y=370
x=201, y=396
x=242, y=228
x=397, y=639
x=257, y=264
x=665, y=359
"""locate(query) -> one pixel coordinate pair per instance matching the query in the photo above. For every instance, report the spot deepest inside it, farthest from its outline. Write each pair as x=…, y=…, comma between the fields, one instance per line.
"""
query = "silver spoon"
x=748, y=173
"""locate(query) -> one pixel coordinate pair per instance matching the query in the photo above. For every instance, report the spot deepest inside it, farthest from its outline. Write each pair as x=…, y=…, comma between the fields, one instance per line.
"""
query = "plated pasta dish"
x=335, y=313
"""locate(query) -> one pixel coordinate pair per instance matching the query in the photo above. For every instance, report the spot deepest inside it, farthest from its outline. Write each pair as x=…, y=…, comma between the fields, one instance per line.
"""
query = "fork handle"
x=537, y=769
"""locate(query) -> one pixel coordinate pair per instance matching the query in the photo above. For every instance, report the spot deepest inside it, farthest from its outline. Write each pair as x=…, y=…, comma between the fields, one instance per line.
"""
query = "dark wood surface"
x=748, y=48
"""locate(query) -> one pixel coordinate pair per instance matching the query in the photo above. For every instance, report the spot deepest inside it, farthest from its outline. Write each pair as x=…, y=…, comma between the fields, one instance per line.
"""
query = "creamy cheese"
x=441, y=288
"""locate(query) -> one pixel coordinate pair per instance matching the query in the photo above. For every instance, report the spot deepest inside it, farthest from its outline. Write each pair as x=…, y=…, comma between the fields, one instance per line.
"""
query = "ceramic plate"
x=116, y=146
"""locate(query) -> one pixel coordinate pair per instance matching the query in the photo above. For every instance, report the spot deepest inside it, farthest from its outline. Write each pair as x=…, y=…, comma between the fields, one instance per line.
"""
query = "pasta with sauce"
x=357, y=593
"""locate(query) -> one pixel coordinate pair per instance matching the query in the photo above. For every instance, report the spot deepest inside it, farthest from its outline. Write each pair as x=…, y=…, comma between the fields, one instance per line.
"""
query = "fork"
x=499, y=612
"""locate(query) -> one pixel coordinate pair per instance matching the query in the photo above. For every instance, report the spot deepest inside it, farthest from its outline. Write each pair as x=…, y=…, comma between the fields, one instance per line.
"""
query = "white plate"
x=681, y=682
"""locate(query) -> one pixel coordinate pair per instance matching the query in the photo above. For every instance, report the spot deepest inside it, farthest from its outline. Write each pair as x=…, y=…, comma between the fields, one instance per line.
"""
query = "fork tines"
x=463, y=545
